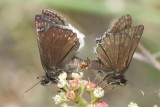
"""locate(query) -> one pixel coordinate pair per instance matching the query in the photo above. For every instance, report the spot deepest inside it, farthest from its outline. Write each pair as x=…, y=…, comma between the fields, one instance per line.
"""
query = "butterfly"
x=116, y=47
x=58, y=43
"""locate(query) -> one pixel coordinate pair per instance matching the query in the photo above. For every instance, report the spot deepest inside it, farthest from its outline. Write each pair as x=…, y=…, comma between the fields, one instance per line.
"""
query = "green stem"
x=65, y=88
x=91, y=95
x=95, y=100
x=81, y=101
x=82, y=90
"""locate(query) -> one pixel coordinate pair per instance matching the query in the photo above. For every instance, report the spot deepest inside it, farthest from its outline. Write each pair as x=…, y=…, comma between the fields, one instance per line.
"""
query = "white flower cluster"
x=98, y=92
x=59, y=98
x=133, y=105
x=75, y=85
x=62, y=78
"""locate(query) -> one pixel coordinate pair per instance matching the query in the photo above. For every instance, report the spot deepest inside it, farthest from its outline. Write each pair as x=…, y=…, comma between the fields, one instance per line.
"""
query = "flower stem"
x=81, y=101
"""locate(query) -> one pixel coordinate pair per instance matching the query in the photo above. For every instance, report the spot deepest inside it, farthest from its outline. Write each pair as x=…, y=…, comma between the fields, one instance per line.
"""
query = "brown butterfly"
x=58, y=43
x=116, y=48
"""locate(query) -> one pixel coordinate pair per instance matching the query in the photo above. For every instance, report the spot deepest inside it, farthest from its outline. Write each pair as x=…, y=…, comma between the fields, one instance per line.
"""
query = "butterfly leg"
x=96, y=77
x=106, y=77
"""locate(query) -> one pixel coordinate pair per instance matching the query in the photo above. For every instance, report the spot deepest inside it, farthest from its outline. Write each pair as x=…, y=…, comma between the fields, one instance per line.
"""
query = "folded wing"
x=116, y=48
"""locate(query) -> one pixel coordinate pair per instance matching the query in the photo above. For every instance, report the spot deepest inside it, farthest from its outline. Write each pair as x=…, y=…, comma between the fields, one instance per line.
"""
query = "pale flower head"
x=57, y=99
x=90, y=105
x=62, y=76
x=63, y=95
x=61, y=83
x=64, y=105
x=98, y=92
x=133, y=105
x=77, y=75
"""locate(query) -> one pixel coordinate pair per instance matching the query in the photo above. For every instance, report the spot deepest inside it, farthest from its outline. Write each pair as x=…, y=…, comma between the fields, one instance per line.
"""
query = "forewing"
x=103, y=54
x=54, y=17
x=135, y=33
x=116, y=50
x=63, y=45
x=123, y=22
x=57, y=43
x=42, y=25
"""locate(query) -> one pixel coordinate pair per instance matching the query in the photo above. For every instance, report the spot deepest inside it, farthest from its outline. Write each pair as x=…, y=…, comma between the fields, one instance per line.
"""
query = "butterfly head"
x=48, y=79
x=45, y=81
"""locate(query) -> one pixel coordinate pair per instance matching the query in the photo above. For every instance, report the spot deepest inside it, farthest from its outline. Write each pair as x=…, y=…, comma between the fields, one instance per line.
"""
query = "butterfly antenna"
x=31, y=88
x=136, y=87
x=102, y=79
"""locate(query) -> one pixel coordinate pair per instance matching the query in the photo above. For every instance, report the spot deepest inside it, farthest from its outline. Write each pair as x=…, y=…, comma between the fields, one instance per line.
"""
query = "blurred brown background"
x=19, y=56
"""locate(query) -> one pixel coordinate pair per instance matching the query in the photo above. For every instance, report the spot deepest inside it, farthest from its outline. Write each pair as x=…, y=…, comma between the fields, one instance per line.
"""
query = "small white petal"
x=90, y=105
x=63, y=75
x=98, y=92
x=63, y=95
x=57, y=99
x=133, y=105
x=61, y=83
x=77, y=75
x=64, y=105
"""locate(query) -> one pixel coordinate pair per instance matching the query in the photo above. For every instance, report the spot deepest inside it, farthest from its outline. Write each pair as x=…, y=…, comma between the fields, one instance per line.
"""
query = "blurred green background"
x=19, y=56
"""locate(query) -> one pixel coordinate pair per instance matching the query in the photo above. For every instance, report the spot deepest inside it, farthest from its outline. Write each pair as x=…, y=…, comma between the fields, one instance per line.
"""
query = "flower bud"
x=90, y=86
x=101, y=104
x=70, y=95
x=77, y=75
x=62, y=76
x=61, y=83
x=74, y=84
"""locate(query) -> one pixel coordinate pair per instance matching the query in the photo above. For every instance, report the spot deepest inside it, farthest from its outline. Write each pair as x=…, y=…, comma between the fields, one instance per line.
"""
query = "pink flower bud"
x=101, y=104
x=90, y=86
x=74, y=84
x=70, y=95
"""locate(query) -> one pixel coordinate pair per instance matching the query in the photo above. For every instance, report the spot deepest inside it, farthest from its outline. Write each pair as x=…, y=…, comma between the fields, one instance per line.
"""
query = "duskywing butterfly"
x=58, y=43
x=116, y=48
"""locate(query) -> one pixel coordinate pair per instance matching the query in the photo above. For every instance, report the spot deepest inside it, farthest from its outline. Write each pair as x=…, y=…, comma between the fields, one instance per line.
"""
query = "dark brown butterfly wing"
x=63, y=45
x=54, y=17
x=116, y=50
x=57, y=44
x=123, y=22
x=135, y=33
